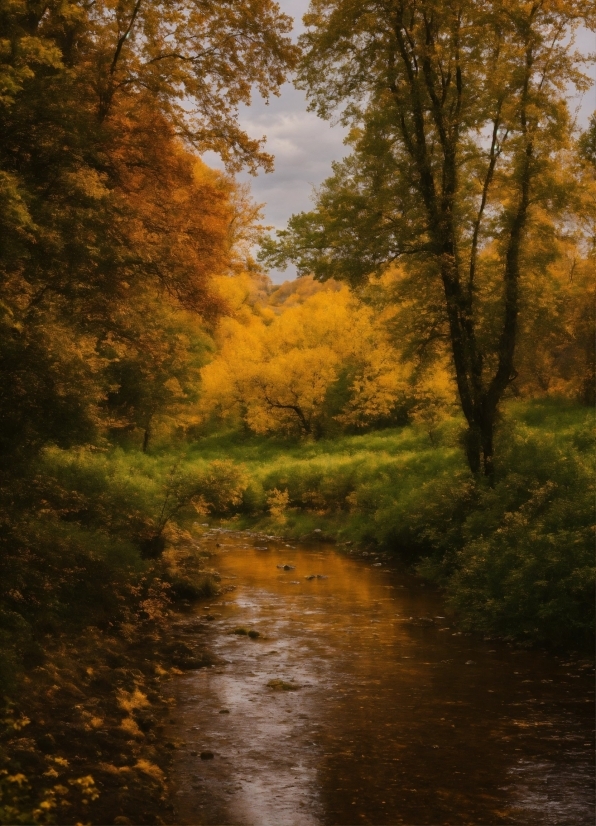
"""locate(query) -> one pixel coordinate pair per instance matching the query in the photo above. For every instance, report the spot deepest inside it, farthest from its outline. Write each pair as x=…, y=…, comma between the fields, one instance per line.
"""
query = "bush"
x=527, y=565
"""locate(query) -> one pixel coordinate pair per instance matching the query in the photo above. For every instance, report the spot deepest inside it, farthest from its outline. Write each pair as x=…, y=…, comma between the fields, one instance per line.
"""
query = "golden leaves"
x=277, y=370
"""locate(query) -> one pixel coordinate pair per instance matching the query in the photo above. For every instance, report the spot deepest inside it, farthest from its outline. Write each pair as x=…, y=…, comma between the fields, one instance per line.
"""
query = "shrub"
x=527, y=566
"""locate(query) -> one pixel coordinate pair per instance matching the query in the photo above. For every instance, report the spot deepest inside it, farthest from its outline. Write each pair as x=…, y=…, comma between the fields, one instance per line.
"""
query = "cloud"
x=304, y=147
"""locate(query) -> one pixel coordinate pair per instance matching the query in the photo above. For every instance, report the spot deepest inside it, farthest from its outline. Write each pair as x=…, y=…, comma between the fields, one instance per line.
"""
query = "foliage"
x=88, y=321
x=277, y=502
x=112, y=236
x=527, y=565
x=153, y=371
x=195, y=63
x=133, y=322
x=301, y=369
x=460, y=127
x=587, y=142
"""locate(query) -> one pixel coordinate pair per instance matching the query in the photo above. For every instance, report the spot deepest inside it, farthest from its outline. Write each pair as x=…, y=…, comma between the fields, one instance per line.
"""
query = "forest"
x=424, y=388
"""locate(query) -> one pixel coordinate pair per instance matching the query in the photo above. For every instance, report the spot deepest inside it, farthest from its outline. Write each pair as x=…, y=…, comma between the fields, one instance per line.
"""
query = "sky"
x=304, y=145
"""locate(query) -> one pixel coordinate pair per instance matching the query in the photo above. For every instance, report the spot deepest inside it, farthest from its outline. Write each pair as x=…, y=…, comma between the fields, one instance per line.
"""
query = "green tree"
x=155, y=354
x=458, y=120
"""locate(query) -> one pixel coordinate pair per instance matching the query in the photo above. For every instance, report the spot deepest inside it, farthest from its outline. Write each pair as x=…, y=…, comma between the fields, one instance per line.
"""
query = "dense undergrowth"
x=93, y=569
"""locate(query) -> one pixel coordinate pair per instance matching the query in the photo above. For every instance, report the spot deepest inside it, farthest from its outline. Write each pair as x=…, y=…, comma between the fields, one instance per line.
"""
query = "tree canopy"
x=304, y=367
x=194, y=60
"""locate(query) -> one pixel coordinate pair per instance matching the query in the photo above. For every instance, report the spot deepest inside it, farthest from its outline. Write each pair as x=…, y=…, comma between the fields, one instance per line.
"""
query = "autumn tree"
x=195, y=60
x=100, y=278
x=458, y=121
x=292, y=369
x=103, y=108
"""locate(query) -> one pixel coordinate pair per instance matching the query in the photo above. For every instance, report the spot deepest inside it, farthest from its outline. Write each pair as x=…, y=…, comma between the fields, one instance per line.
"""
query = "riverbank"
x=84, y=737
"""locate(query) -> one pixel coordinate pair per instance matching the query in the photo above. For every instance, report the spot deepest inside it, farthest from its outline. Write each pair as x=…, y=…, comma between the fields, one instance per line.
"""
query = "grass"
x=515, y=560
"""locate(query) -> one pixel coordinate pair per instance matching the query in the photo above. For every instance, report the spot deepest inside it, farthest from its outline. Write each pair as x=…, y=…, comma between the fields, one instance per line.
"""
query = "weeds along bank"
x=515, y=560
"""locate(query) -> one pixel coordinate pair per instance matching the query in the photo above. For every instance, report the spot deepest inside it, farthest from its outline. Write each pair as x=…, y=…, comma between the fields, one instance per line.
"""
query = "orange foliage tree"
x=103, y=201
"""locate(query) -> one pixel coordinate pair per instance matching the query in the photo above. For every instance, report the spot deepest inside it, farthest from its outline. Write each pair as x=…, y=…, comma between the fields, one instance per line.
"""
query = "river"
x=359, y=703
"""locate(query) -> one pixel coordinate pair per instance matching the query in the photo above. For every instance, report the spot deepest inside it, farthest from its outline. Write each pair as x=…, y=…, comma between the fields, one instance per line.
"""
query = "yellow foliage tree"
x=279, y=372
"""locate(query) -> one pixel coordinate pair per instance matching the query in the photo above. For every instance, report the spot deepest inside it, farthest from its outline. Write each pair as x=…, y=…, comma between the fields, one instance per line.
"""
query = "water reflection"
x=396, y=718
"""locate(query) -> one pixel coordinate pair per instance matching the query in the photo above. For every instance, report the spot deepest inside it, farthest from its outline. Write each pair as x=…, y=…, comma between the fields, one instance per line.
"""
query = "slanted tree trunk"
x=304, y=423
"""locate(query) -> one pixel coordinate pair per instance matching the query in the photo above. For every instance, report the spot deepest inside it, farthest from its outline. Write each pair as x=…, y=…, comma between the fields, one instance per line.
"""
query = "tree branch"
x=495, y=150
x=123, y=37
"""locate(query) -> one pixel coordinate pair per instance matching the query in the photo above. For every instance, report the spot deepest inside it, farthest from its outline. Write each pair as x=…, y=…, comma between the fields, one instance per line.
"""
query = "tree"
x=292, y=369
x=103, y=200
x=458, y=119
x=154, y=356
x=96, y=296
x=195, y=60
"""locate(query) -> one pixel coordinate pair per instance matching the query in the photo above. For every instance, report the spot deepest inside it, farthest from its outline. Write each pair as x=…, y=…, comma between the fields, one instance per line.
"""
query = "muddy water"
x=377, y=711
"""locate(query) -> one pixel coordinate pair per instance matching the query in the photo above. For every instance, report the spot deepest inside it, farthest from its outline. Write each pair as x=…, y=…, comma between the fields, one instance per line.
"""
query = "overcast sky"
x=304, y=145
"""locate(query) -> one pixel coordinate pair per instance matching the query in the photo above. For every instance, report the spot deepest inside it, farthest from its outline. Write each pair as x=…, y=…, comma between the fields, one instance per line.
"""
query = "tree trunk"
x=304, y=422
x=486, y=438
x=479, y=446
x=480, y=395
x=472, y=443
x=147, y=436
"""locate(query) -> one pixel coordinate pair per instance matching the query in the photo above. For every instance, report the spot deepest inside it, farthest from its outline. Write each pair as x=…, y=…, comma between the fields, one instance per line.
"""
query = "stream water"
x=359, y=704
